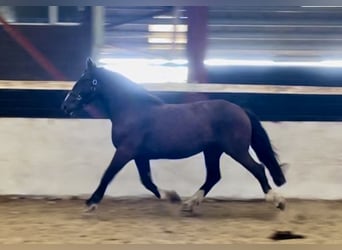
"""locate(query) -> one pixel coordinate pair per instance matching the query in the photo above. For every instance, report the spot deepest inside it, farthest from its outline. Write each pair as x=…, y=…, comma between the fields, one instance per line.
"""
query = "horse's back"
x=199, y=112
x=229, y=123
x=204, y=119
x=222, y=110
x=206, y=106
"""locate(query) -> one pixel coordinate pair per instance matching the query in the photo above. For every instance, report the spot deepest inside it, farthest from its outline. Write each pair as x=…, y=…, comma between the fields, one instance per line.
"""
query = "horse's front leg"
x=121, y=157
x=144, y=170
x=212, y=164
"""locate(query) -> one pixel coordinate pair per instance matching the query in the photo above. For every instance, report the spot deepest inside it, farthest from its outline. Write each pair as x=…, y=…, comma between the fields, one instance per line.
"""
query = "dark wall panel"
x=279, y=75
x=66, y=47
x=269, y=107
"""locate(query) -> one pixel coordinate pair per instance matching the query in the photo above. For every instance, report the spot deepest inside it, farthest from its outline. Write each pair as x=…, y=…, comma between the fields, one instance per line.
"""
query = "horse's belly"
x=172, y=154
x=175, y=147
x=178, y=134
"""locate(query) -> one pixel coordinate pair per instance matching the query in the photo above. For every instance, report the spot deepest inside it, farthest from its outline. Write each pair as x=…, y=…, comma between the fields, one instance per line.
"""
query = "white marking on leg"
x=276, y=199
x=193, y=201
x=198, y=196
x=91, y=208
x=163, y=194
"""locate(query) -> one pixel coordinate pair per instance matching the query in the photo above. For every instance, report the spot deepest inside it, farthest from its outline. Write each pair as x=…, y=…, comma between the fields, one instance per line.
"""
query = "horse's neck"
x=128, y=99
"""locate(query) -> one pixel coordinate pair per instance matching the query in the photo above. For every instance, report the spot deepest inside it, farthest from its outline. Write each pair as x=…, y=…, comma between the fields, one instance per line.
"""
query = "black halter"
x=79, y=97
x=93, y=84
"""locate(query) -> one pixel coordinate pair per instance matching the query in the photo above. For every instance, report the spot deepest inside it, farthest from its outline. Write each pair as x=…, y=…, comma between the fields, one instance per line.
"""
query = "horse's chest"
x=126, y=135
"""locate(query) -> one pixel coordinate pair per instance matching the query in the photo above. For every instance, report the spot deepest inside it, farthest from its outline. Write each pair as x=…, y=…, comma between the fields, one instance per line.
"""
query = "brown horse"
x=145, y=128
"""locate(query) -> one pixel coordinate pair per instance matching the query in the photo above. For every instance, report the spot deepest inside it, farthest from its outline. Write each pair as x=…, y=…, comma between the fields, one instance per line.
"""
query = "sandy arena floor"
x=148, y=220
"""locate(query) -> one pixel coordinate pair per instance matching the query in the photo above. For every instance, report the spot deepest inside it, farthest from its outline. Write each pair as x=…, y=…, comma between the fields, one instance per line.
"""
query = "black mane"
x=128, y=88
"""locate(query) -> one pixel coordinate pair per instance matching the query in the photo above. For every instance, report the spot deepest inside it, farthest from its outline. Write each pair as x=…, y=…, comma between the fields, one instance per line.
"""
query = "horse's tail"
x=263, y=148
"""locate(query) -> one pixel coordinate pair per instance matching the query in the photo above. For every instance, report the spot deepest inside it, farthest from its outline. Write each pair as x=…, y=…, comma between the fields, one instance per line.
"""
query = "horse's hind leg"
x=258, y=171
x=212, y=164
x=144, y=170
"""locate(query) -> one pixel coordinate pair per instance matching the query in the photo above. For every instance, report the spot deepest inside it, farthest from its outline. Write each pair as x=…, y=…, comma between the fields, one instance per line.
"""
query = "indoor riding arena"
x=281, y=61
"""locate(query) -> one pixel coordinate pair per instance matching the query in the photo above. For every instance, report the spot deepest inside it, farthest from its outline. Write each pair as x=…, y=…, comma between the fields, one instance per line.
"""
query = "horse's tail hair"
x=262, y=146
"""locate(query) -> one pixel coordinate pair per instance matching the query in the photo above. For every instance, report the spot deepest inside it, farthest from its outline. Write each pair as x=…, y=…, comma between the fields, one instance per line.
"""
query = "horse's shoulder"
x=213, y=103
x=221, y=101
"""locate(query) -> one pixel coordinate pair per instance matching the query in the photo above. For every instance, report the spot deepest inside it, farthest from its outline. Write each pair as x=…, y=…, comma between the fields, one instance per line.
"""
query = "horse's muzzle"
x=66, y=110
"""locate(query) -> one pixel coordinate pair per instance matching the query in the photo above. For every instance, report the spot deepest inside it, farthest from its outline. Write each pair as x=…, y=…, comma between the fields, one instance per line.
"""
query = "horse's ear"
x=90, y=64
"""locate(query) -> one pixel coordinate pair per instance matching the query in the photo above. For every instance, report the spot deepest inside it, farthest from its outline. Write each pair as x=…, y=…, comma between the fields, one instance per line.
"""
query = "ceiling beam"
x=232, y=3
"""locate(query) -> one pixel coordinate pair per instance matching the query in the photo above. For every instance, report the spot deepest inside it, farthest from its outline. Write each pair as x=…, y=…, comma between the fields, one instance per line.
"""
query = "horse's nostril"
x=64, y=107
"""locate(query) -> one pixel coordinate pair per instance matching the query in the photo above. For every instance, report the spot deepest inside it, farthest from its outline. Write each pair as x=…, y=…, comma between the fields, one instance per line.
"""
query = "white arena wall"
x=68, y=156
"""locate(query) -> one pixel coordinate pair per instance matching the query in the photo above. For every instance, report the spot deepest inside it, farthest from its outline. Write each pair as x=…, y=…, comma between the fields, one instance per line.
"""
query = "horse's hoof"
x=281, y=206
x=173, y=197
x=277, y=200
x=187, y=209
x=90, y=208
x=187, y=212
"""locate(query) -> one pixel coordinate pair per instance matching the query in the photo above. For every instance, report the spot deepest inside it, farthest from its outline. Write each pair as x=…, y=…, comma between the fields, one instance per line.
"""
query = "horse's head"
x=84, y=90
